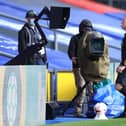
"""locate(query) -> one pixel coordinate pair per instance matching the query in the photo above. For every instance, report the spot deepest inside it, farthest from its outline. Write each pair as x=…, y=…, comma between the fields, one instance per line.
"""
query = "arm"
x=123, y=51
x=21, y=40
x=107, y=53
x=72, y=48
x=122, y=65
x=106, y=50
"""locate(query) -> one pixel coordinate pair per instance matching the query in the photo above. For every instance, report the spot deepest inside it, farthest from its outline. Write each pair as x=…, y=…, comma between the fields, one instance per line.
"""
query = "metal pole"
x=6, y=54
x=110, y=2
x=55, y=41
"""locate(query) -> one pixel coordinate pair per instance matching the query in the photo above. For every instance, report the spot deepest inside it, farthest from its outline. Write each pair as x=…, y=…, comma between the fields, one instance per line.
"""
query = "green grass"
x=110, y=122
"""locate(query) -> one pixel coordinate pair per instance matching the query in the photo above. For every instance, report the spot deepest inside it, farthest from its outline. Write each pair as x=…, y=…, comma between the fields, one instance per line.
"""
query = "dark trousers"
x=121, y=79
x=79, y=81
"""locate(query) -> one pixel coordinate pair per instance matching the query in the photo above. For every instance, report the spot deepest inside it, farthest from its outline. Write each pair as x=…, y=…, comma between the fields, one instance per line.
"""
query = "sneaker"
x=123, y=115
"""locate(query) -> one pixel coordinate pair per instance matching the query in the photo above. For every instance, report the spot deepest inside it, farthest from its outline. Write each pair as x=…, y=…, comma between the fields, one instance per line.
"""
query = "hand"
x=120, y=69
x=74, y=60
x=42, y=51
x=119, y=87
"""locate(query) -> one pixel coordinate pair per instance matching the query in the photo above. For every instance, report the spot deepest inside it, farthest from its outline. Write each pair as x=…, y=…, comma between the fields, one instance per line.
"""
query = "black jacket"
x=72, y=49
x=26, y=37
x=73, y=45
x=123, y=50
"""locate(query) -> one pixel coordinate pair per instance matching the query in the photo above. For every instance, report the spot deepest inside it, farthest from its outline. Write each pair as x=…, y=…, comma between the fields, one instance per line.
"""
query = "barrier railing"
x=8, y=55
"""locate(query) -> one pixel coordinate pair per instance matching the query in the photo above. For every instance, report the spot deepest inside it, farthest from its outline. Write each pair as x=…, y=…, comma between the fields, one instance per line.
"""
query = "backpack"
x=94, y=45
x=93, y=56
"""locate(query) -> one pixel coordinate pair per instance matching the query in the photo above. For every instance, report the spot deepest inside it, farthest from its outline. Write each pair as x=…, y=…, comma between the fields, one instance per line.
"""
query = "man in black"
x=121, y=69
x=84, y=26
x=29, y=35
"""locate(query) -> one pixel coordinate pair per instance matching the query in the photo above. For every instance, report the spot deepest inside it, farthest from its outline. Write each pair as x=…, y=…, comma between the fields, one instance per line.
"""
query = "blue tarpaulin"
x=111, y=97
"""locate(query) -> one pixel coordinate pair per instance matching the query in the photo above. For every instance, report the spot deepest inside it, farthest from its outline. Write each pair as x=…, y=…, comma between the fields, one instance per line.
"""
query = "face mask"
x=31, y=22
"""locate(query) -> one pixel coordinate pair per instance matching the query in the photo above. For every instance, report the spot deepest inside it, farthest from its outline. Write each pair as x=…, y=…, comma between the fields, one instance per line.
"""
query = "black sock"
x=125, y=105
x=123, y=91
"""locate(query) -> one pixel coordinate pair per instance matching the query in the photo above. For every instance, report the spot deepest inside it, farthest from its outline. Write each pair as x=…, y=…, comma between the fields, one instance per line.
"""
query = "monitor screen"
x=59, y=17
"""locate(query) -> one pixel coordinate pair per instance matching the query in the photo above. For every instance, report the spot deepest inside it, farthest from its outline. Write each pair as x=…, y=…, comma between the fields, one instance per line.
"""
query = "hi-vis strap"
x=30, y=38
x=84, y=40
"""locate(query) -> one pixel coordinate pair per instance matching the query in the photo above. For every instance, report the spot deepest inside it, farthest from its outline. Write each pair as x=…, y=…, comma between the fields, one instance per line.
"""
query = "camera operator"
x=29, y=35
x=84, y=26
x=94, y=61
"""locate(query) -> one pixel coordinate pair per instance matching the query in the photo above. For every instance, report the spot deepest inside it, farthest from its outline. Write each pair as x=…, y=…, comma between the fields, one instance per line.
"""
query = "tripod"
x=73, y=100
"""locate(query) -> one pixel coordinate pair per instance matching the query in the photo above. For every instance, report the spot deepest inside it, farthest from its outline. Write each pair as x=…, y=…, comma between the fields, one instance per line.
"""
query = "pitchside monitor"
x=59, y=17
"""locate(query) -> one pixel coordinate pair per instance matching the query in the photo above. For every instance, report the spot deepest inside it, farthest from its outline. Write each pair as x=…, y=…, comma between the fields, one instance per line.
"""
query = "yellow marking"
x=65, y=86
x=48, y=87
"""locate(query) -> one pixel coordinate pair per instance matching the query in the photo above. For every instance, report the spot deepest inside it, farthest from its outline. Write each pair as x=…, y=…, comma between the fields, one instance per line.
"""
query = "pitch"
x=110, y=122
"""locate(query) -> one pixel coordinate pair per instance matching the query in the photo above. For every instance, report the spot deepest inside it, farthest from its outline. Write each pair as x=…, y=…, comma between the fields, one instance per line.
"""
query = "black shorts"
x=121, y=78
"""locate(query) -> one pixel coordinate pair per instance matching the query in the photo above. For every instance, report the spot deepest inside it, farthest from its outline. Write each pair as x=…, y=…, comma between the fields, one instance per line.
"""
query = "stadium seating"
x=101, y=22
x=92, y=6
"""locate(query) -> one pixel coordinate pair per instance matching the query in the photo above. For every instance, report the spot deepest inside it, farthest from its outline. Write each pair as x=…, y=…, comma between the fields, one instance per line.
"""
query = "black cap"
x=85, y=24
x=31, y=14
